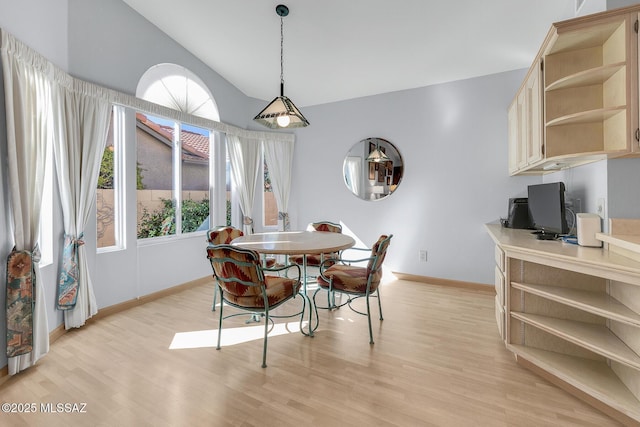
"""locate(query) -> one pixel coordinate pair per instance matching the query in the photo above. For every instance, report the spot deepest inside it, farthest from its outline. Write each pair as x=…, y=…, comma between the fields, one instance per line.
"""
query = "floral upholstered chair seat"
x=349, y=278
x=342, y=276
x=278, y=289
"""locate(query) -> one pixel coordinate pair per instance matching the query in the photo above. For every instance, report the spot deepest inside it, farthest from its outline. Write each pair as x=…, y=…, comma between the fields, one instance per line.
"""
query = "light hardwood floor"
x=437, y=361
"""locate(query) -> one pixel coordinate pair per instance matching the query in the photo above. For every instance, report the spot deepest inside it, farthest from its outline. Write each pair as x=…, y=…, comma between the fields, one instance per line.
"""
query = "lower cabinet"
x=572, y=313
x=500, y=290
x=500, y=319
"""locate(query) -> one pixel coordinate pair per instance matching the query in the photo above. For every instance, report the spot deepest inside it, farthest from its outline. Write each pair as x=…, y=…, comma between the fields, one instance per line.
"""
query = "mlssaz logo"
x=67, y=408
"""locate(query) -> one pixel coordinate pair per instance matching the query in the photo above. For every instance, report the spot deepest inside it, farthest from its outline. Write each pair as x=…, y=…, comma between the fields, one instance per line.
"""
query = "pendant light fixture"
x=377, y=155
x=281, y=112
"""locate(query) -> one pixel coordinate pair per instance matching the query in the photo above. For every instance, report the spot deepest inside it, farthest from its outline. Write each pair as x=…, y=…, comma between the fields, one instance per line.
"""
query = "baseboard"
x=59, y=331
x=117, y=308
x=445, y=282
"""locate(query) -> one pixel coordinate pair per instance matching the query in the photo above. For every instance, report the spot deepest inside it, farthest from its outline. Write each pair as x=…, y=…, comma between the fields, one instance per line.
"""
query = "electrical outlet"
x=422, y=255
x=601, y=207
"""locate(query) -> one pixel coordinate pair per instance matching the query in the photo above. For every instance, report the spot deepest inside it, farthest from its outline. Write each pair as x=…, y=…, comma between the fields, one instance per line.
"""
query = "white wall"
x=623, y=188
x=112, y=45
x=614, y=4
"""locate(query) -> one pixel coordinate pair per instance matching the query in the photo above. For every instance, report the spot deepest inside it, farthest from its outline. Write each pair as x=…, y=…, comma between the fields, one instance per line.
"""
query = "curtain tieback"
x=247, y=220
x=20, y=300
x=76, y=241
x=69, y=272
x=284, y=217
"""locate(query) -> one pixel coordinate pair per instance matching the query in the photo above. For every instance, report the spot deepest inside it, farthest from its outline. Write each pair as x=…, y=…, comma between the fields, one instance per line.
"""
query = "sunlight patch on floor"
x=230, y=336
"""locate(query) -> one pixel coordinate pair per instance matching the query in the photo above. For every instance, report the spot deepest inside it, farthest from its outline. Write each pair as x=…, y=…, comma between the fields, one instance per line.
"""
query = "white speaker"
x=588, y=225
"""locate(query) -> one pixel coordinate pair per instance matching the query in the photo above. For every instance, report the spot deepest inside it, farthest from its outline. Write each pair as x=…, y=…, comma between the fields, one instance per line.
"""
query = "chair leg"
x=369, y=319
x=215, y=297
x=304, y=306
x=264, y=348
x=379, y=303
x=219, y=327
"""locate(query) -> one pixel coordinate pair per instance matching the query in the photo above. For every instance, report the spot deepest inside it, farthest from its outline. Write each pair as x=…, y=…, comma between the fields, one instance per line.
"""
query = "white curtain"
x=82, y=121
x=279, y=158
x=244, y=155
x=27, y=101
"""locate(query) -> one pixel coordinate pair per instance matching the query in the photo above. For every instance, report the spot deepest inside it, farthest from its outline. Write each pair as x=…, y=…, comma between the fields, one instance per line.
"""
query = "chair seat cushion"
x=270, y=262
x=312, y=260
x=278, y=289
x=349, y=278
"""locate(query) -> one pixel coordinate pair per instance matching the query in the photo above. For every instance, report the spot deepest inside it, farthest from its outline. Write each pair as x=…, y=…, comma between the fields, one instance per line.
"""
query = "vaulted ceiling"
x=342, y=49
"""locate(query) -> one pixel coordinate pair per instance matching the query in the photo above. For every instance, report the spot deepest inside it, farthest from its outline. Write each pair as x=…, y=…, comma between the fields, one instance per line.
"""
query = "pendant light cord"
x=281, y=56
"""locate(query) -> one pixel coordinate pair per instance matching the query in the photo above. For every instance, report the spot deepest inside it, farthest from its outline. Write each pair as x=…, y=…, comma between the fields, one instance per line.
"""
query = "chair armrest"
x=331, y=261
x=358, y=249
x=286, y=267
x=328, y=262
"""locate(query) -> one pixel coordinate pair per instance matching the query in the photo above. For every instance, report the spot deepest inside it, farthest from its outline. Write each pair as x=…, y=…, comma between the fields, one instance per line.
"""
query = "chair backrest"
x=326, y=226
x=237, y=270
x=378, y=253
x=223, y=235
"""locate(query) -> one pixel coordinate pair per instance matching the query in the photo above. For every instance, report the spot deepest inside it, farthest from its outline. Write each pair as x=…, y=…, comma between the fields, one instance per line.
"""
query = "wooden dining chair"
x=243, y=284
x=341, y=276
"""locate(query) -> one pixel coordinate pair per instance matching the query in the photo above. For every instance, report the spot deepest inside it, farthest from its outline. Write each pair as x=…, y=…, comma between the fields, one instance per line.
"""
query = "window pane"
x=154, y=170
x=195, y=178
x=105, y=193
x=270, y=205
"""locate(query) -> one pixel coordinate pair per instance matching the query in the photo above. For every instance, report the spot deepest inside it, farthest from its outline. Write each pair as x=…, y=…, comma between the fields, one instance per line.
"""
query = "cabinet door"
x=513, y=137
x=635, y=99
x=533, y=94
x=523, y=128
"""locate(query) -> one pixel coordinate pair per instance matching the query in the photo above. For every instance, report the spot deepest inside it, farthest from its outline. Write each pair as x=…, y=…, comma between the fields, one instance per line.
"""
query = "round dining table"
x=296, y=243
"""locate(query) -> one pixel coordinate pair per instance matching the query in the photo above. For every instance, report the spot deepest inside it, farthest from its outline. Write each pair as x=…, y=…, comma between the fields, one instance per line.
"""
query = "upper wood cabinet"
x=525, y=124
x=581, y=94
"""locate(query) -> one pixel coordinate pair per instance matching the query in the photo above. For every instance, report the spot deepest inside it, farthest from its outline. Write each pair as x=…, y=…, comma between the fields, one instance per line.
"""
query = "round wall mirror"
x=373, y=169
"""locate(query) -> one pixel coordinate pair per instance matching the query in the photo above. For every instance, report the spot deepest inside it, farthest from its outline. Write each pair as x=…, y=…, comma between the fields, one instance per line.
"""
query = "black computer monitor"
x=547, y=209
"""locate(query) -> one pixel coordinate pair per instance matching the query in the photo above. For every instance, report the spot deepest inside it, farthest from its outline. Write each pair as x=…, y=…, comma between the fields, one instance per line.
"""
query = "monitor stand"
x=545, y=235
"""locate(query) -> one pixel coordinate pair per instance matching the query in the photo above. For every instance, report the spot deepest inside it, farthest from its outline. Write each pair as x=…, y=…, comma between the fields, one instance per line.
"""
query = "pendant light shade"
x=377, y=156
x=281, y=112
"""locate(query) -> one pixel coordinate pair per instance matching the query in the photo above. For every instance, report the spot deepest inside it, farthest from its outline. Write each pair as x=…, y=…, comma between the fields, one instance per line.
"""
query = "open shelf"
x=592, y=377
x=592, y=302
x=572, y=315
x=589, y=77
x=591, y=116
x=587, y=37
x=596, y=338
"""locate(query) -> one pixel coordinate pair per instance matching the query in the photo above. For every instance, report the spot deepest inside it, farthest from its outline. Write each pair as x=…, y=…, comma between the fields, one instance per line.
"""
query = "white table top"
x=295, y=242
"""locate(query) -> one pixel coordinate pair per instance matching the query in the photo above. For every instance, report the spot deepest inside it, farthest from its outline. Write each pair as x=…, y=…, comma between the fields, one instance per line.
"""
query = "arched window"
x=178, y=88
x=174, y=160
